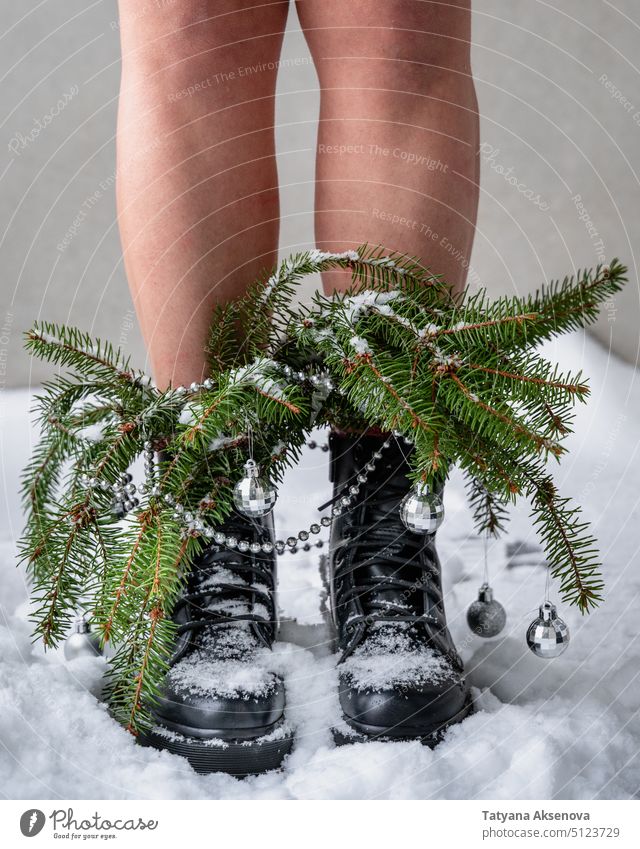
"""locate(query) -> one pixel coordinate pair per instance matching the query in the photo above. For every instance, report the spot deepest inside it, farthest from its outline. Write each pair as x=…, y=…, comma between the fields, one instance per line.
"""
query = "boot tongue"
x=397, y=598
x=390, y=557
x=387, y=548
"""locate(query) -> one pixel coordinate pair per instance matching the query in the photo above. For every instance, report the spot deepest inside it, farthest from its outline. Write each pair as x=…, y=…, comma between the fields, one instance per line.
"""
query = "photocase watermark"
x=5, y=340
x=410, y=157
x=590, y=227
x=21, y=141
x=65, y=824
x=236, y=74
x=32, y=822
x=431, y=235
x=126, y=325
x=490, y=156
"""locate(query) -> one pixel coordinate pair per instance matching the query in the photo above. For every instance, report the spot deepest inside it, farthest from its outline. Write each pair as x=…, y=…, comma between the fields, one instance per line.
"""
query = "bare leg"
x=397, y=161
x=197, y=181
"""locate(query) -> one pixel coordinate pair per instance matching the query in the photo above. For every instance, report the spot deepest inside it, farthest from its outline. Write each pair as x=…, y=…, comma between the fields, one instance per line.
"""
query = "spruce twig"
x=459, y=375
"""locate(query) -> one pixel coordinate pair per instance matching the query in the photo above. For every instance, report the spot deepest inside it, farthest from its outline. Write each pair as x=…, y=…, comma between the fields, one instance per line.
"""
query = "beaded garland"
x=193, y=523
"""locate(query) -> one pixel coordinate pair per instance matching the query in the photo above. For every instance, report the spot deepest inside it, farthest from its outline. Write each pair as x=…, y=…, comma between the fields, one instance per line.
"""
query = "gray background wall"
x=548, y=114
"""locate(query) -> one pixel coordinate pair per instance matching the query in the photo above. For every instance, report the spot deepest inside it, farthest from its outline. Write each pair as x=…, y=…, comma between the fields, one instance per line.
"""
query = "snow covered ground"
x=567, y=728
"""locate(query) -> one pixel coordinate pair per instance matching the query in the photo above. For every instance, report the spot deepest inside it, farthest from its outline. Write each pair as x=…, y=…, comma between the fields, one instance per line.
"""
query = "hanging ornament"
x=486, y=617
x=82, y=642
x=422, y=510
x=254, y=496
x=548, y=635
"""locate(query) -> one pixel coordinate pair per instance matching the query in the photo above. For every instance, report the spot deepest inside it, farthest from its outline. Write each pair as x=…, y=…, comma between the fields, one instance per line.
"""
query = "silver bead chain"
x=194, y=523
x=124, y=501
x=124, y=491
x=322, y=380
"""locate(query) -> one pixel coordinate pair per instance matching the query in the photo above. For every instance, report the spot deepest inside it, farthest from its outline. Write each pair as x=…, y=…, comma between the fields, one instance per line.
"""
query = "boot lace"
x=227, y=587
x=390, y=578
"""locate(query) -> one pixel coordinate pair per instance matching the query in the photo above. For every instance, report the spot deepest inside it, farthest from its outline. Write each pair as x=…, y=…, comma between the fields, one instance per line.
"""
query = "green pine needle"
x=460, y=375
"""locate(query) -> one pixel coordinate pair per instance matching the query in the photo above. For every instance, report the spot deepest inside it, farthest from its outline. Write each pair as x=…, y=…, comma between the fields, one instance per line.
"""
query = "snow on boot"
x=400, y=674
x=222, y=704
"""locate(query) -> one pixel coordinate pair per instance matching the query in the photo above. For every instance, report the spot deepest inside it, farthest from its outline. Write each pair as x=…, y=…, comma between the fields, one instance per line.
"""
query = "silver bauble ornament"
x=548, y=636
x=82, y=642
x=486, y=617
x=422, y=510
x=254, y=496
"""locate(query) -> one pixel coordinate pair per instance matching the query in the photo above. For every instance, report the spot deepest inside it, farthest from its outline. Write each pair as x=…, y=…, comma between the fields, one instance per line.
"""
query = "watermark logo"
x=32, y=822
x=490, y=156
x=21, y=142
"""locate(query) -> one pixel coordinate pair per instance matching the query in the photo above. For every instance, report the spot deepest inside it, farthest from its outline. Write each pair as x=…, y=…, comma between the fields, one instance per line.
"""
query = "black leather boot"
x=222, y=704
x=400, y=674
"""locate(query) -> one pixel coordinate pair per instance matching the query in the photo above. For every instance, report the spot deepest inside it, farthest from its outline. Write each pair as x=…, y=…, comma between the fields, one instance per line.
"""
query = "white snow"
x=240, y=668
x=360, y=345
x=429, y=329
x=567, y=728
x=190, y=414
x=257, y=374
x=92, y=433
x=390, y=658
x=369, y=299
x=220, y=441
x=318, y=256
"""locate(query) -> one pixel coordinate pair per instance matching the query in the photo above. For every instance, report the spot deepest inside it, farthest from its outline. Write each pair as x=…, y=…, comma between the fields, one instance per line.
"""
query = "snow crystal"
x=190, y=414
x=88, y=347
x=428, y=330
x=284, y=729
x=230, y=660
x=231, y=663
x=391, y=657
x=269, y=287
x=325, y=335
x=145, y=380
x=288, y=266
x=320, y=256
x=221, y=441
x=360, y=345
x=357, y=304
x=176, y=737
x=257, y=373
x=92, y=433
x=446, y=359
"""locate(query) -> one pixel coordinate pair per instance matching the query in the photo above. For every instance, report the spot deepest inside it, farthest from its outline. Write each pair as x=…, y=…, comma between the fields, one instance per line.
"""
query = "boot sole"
x=359, y=732
x=239, y=758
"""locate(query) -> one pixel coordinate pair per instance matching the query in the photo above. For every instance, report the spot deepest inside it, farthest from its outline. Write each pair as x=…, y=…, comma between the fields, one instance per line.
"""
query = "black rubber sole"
x=235, y=757
x=360, y=733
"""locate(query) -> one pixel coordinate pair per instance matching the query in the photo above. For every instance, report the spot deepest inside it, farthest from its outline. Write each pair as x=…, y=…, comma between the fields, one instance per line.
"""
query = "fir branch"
x=69, y=347
x=570, y=549
x=459, y=374
x=489, y=512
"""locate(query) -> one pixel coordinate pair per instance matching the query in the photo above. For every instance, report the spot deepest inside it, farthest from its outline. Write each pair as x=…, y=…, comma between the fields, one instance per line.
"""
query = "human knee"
x=397, y=45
